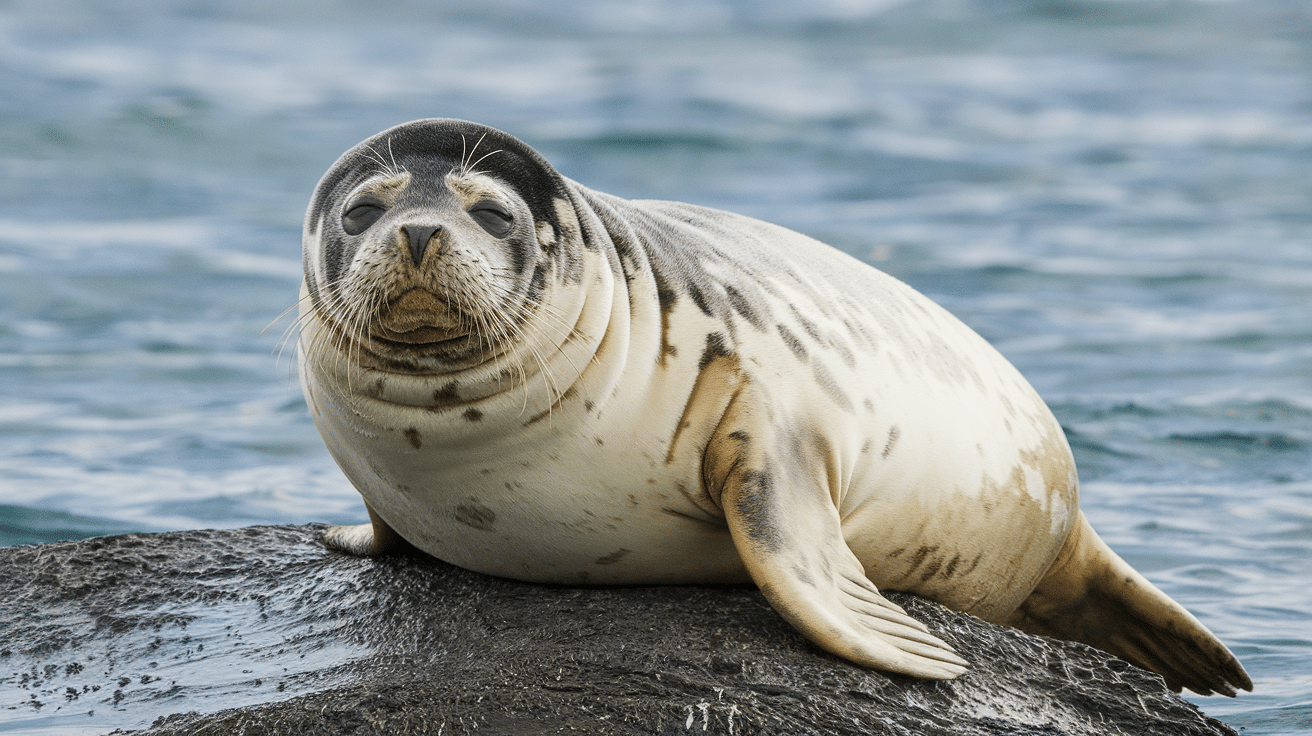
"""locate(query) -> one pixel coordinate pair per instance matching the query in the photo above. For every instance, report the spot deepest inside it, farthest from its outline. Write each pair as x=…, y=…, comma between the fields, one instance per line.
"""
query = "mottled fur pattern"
x=532, y=379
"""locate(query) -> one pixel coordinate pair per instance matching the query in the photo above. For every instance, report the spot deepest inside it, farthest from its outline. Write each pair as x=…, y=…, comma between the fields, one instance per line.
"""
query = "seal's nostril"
x=418, y=236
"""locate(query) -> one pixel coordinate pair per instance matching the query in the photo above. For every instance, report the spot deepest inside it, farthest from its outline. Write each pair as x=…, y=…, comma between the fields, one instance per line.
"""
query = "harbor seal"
x=532, y=379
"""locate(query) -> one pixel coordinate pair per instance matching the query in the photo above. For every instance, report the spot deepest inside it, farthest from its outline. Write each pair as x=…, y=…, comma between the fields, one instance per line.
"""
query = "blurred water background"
x=1116, y=193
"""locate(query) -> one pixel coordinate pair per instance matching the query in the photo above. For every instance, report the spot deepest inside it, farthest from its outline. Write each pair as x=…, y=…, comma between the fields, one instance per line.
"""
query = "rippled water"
x=1117, y=193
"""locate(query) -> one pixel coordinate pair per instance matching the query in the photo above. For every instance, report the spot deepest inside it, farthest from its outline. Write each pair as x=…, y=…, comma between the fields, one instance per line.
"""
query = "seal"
x=531, y=379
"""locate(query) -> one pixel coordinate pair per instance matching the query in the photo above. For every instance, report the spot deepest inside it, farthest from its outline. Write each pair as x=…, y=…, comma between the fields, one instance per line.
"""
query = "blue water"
x=1117, y=193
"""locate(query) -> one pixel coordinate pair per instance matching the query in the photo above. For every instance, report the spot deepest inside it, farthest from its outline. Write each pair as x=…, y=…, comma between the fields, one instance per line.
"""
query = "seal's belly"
x=592, y=495
x=569, y=498
x=558, y=521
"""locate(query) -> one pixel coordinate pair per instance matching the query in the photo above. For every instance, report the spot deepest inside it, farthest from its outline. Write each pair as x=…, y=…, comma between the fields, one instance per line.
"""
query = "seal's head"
x=428, y=245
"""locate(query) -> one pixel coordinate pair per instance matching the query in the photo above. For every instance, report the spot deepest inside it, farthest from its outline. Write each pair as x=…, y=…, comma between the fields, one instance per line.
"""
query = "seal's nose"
x=417, y=237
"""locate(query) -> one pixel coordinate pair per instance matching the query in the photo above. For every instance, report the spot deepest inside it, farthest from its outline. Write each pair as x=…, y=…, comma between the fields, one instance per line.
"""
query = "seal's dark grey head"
x=432, y=240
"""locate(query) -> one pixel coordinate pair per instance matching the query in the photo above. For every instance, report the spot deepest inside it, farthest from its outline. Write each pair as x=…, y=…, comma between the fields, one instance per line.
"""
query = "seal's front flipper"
x=374, y=538
x=791, y=541
x=1093, y=596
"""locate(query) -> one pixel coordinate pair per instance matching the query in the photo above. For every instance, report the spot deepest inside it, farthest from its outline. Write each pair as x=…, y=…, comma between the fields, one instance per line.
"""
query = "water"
x=1115, y=192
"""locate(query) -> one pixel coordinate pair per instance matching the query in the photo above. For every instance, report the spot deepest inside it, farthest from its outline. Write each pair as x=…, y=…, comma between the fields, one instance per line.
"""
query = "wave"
x=1244, y=441
x=22, y=525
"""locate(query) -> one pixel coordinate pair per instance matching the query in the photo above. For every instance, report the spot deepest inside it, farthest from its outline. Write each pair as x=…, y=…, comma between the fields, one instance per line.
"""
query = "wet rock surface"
x=264, y=631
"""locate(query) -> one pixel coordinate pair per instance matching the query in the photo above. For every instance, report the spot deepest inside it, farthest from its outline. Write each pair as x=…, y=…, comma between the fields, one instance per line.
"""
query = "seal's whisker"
x=396, y=168
x=511, y=300
x=349, y=326
x=493, y=330
x=513, y=331
x=524, y=312
x=385, y=170
x=283, y=313
x=571, y=331
x=473, y=170
x=288, y=331
x=464, y=160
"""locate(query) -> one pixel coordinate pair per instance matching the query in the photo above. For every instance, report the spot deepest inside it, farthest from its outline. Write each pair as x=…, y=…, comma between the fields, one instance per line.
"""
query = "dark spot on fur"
x=743, y=308
x=699, y=299
x=613, y=557
x=1006, y=404
x=587, y=405
x=897, y=552
x=755, y=509
x=952, y=566
x=869, y=405
x=569, y=393
x=473, y=415
x=844, y=352
x=931, y=570
x=974, y=564
x=830, y=386
x=803, y=575
x=739, y=436
x=538, y=284
x=520, y=251
x=918, y=559
x=474, y=514
x=665, y=295
x=807, y=325
x=792, y=342
x=894, y=433
x=715, y=348
x=412, y=434
x=862, y=334
x=447, y=394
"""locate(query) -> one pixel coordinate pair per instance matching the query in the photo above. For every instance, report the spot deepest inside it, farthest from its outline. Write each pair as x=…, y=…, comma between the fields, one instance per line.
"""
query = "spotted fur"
x=596, y=390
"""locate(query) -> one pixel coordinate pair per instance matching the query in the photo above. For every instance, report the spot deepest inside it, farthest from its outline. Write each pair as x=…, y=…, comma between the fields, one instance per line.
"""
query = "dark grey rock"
x=264, y=631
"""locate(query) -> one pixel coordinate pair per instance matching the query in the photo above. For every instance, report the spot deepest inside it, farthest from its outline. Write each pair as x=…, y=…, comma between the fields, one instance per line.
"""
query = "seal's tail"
x=1091, y=595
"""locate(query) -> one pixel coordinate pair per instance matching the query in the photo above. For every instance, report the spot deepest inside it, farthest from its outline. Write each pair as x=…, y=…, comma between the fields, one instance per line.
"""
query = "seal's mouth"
x=418, y=317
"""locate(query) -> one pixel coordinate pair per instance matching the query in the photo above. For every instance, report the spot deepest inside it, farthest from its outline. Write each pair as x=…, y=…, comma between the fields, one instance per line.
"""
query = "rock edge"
x=263, y=630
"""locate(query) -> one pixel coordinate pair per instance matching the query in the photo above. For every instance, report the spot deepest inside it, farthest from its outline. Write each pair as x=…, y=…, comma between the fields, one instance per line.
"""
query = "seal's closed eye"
x=492, y=217
x=358, y=219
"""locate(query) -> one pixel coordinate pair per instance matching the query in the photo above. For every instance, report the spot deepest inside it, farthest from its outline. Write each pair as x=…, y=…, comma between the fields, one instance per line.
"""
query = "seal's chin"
x=418, y=318
x=424, y=336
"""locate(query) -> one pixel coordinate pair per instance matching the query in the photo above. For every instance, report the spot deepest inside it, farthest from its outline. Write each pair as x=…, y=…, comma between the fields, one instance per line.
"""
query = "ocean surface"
x=1116, y=193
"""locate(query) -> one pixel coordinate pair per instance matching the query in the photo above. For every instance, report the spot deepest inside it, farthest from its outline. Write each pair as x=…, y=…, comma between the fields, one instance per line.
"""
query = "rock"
x=264, y=631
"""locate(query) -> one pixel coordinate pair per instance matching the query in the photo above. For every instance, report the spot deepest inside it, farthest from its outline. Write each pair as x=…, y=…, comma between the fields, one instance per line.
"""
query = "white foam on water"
x=71, y=239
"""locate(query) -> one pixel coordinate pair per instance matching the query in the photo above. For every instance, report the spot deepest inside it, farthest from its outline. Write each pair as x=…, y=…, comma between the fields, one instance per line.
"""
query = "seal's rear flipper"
x=374, y=538
x=794, y=549
x=1091, y=595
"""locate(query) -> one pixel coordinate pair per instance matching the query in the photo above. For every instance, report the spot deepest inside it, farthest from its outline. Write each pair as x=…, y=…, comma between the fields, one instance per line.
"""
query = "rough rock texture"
x=264, y=631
